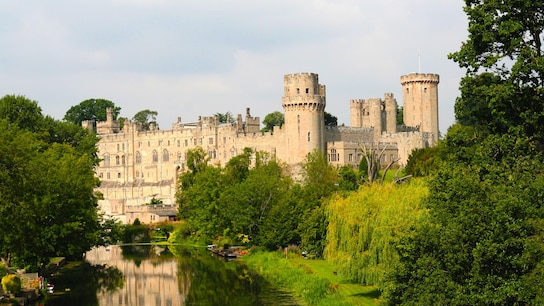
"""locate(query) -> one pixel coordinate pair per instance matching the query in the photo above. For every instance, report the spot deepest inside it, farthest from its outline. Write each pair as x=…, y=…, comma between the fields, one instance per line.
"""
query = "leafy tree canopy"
x=224, y=117
x=91, y=109
x=504, y=85
x=330, y=120
x=271, y=120
x=145, y=118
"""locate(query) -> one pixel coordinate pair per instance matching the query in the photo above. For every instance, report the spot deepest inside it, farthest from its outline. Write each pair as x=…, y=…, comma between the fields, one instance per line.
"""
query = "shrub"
x=11, y=284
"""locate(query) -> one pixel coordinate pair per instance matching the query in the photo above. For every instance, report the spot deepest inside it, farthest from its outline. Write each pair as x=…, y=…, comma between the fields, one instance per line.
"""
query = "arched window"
x=117, y=160
x=138, y=157
x=165, y=156
x=155, y=156
x=123, y=160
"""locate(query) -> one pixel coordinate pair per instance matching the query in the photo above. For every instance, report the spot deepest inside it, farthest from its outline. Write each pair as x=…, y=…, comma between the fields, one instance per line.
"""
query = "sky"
x=190, y=58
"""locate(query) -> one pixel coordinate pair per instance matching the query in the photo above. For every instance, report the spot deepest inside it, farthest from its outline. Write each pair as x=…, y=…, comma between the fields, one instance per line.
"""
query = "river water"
x=150, y=275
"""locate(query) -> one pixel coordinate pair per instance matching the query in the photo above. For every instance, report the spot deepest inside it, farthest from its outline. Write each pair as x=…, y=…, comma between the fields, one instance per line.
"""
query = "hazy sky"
x=185, y=58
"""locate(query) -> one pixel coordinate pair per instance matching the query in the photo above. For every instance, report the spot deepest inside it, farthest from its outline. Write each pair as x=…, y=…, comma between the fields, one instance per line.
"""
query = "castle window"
x=123, y=147
x=165, y=156
x=139, y=144
x=425, y=90
x=179, y=143
x=307, y=90
x=210, y=140
x=407, y=90
x=186, y=142
x=123, y=160
x=138, y=157
x=118, y=174
x=117, y=147
x=334, y=155
x=350, y=157
x=155, y=156
x=298, y=91
x=179, y=156
x=308, y=136
x=117, y=160
x=106, y=160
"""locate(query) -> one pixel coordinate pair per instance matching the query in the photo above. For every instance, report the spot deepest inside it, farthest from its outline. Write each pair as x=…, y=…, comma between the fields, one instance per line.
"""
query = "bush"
x=3, y=270
x=11, y=284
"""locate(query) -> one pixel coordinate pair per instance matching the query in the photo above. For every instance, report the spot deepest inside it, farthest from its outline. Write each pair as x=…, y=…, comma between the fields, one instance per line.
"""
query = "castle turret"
x=390, y=113
x=420, y=102
x=304, y=106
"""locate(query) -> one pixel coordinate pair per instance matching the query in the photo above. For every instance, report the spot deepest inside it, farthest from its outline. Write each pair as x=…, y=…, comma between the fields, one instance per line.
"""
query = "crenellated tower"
x=304, y=106
x=420, y=102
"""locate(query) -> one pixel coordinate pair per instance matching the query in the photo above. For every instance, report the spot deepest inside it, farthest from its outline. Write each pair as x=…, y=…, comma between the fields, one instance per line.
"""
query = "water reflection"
x=159, y=276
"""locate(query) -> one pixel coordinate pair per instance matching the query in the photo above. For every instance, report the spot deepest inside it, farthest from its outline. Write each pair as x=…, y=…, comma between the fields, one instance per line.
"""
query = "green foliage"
x=505, y=46
x=24, y=113
x=271, y=120
x=3, y=270
x=136, y=233
x=91, y=109
x=224, y=117
x=47, y=186
x=145, y=118
x=400, y=115
x=310, y=288
x=11, y=284
x=330, y=120
x=423, y=161
x=483, y=241
x=364, y=227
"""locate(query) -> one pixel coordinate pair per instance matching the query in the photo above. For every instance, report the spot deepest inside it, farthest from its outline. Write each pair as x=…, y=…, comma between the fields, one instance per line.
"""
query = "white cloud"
x=199, y=57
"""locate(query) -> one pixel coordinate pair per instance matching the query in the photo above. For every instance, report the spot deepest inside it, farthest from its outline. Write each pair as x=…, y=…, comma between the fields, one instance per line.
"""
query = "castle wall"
x=139, y=165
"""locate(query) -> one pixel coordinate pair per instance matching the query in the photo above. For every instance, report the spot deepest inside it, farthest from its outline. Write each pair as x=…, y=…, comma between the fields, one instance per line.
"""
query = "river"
x=151, y=275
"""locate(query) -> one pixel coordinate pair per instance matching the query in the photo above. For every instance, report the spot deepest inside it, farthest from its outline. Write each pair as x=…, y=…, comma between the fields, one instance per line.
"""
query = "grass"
x=312, y=281
x=354, y=293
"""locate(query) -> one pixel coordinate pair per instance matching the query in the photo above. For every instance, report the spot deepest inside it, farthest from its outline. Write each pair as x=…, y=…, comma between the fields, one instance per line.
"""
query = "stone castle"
x=140, y=165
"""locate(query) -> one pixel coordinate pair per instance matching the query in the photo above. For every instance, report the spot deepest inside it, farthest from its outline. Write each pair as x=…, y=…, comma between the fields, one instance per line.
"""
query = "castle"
x=140, y=165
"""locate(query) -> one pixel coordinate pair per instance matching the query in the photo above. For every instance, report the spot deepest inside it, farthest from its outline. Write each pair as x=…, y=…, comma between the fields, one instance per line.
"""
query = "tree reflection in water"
x=161, y=276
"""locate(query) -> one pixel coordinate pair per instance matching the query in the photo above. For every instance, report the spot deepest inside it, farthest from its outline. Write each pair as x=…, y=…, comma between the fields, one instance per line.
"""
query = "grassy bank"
x=313, y=282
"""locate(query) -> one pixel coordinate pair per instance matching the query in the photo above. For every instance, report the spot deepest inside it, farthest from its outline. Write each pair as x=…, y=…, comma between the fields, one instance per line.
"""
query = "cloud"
x=198, y=57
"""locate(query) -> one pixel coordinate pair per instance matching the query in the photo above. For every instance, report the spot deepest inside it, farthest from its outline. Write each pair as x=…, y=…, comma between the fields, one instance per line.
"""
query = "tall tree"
x=91, y=109
x=505, y=67
x=224, y=117
x=330, y=120
x=146, y=118
x=47, y=186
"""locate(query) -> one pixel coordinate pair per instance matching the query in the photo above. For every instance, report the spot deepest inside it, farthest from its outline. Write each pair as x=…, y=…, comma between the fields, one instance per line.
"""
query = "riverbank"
x=313, y=282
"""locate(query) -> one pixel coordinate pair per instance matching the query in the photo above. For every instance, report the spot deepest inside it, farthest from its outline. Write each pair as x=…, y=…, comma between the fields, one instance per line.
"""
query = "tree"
x=47, y=186
x=330, y=120
x=91, y=109
x=25, y=113
x=271, y=120
x=224, y=117
x=145, y=118
x=505, y=43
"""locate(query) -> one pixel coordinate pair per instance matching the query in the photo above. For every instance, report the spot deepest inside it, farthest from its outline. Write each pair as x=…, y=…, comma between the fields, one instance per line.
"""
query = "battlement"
x=420, y=78
x=293, y=77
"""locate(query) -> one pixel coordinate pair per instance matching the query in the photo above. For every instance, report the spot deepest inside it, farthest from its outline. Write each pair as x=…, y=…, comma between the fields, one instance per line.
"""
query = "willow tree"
x=365, y=227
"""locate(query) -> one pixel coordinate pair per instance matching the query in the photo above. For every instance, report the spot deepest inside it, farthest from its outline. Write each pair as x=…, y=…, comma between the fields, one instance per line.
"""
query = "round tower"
x=303, y=102
x=420, y=102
